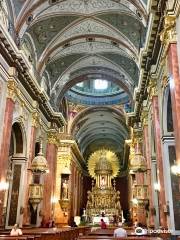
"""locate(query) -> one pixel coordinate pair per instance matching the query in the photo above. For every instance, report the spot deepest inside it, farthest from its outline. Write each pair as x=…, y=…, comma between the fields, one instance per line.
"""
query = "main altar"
x=103, y=199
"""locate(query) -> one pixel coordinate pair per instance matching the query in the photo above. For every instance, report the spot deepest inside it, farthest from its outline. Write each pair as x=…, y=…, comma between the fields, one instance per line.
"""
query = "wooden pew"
x=7, y=237
x=112, y=238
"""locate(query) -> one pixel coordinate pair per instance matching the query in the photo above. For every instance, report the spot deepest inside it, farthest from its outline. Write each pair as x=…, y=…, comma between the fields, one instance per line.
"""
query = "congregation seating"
x=46, y=234
x=79, y=233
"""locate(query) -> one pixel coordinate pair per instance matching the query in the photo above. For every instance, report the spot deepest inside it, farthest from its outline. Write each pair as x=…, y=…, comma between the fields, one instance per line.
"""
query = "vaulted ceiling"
x=70, y=41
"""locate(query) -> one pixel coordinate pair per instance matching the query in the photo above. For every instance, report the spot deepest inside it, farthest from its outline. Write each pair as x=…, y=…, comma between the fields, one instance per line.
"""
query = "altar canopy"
x=103, y=200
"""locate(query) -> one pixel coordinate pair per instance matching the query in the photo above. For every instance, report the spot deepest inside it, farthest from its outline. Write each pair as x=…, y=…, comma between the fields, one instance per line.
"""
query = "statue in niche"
x=65, y=191
x=103, y=181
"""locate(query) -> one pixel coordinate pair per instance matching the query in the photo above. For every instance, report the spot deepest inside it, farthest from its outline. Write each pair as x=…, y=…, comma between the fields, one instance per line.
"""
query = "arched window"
x=16, y=145
x=170, y=127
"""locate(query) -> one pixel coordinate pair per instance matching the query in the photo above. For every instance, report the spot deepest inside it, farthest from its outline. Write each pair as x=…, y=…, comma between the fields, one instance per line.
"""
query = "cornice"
x=67, y=140
x=16, y=59
x=150, y=53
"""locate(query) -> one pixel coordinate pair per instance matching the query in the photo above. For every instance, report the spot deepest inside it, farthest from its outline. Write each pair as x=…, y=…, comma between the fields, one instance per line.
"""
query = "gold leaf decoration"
x=111, y=158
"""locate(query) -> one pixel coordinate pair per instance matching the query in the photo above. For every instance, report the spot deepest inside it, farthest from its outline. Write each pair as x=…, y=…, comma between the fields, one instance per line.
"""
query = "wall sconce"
x=175, y=169
x=157, y=186
x=4, y=186
x=135, y=201
x=54, y=199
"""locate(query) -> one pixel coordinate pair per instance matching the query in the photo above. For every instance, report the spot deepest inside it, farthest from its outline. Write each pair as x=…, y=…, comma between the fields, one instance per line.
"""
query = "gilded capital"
x=165, y=82
x=152, y=88
x=144, y=117
x=168, y=34
x=35, y=119
x=12, y=89
x=52, y=137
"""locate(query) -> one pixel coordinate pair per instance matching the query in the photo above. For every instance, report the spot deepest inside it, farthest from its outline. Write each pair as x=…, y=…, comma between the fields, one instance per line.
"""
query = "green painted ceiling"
x=44, y=31
x=128, y=25
x=56, y=68
x=101, y=128
x=127, y=64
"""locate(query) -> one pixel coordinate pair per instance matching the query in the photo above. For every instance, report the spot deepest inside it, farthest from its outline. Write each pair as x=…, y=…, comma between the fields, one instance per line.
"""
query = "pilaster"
x=12, y=91
x=50, y=178
x=157, y=134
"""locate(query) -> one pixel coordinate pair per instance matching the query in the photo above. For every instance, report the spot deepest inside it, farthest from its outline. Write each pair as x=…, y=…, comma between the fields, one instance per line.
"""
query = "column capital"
x=168, y=34
x=12, y=89
x=52, y=137
x=35, y=119
x=144, y=117
x=152, y=88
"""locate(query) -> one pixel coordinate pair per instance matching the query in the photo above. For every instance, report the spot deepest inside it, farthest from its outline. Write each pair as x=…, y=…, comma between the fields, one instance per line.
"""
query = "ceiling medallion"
x=110, y=157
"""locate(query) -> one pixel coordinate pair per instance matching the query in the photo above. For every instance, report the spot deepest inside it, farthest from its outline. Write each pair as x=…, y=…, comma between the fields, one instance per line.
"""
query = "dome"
x=97, y=92
x=103, y=166
x=39, y=163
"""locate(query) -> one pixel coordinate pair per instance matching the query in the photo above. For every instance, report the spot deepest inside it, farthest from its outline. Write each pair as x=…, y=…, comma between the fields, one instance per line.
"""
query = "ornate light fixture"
x=135, y=201
x=157, y=186
x=175, y=169
x=137, y=160
x=38, y=167
x=39, y=163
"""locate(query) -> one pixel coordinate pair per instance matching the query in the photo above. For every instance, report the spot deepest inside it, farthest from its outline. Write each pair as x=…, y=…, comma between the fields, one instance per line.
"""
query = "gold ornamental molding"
x=168, y=34
x=111, y=158
x=12, y=90
x=152, y=88
x=52, y=137
x=35, y=119
x=165, y=82
x=144, y=118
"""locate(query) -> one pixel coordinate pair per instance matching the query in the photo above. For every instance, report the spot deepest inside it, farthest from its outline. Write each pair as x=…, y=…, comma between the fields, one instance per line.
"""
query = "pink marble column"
x=72, y=184
x=157, y=134
x=5, y=145
x=79, y=194
x=147, y=154
x=26, y=215
x=49, y=180
x=175, y=93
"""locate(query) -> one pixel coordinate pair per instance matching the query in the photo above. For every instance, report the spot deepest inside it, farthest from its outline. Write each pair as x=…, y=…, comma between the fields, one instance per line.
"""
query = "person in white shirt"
x=16, y=231
x=120, y=232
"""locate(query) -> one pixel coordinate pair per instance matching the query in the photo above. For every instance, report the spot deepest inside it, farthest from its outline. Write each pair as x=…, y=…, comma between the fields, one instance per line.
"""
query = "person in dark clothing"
x=73, y=224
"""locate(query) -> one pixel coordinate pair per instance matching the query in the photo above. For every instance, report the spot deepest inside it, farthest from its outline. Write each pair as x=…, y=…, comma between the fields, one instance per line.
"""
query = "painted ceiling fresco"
x=73, y=41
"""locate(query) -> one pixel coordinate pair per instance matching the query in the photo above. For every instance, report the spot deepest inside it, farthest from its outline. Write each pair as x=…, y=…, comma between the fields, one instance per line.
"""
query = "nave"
x=89, y=118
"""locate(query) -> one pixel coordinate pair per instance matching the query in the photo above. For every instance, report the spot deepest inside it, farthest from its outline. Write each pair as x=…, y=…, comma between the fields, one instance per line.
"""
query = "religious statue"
x=103, y=181
x=65, y=189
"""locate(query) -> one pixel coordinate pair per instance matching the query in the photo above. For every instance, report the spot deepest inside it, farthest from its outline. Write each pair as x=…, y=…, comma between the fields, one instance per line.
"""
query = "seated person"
x=103, y=224
x=16, y=231
x=120, y=232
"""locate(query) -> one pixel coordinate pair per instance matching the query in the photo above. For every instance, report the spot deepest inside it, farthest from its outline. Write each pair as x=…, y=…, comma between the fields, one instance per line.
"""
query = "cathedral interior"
x=90, y=112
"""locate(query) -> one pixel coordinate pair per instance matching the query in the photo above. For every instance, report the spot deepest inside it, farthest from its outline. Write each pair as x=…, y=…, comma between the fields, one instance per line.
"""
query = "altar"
x=97, y=220
x=103, y=201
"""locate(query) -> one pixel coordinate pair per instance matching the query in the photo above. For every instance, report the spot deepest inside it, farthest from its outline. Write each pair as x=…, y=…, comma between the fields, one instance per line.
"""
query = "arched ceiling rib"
x=40, y=8
x=66, y=31
x=104, y=123
x=82, y=40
